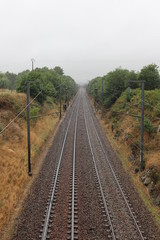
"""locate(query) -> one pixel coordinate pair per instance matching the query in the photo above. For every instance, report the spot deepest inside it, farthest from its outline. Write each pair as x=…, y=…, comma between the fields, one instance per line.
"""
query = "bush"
x=148, y=126
x=49, y=100
x=34, y=112
x=154, y=176
x=1, y=126
x=135, y=148
x=151, y=76
x=46, y=82
x=157, y=110
x=128, y=96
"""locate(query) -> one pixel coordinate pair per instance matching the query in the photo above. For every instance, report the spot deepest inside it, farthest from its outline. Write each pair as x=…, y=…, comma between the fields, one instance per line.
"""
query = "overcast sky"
x=87, y=38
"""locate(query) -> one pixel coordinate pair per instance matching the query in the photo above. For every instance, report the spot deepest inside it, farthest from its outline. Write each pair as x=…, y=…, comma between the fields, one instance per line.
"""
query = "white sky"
x=87, y=38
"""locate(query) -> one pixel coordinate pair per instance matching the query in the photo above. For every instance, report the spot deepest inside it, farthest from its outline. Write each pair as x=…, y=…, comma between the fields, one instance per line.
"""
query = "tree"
x=134, y=77
x=35, y=85
x=48, y=81
x=151, y=75
x=4, y=82
x=59, y=70
x=12, y=78
x=95, y=83
x=115, y=83
x=69, y=85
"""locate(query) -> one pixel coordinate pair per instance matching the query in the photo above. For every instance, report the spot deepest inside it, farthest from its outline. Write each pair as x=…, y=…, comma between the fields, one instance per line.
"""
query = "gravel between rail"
x=91, y=219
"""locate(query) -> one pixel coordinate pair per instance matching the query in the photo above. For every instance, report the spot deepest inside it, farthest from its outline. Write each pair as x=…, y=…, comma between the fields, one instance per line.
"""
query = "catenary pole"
x=32, y=60
x=28, y=129
x=60, y=102
x=142, y=162
x=102, y=96
x=142, y=129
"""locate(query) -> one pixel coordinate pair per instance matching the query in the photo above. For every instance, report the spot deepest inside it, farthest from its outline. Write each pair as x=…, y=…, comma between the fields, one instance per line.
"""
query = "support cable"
x=10, y=123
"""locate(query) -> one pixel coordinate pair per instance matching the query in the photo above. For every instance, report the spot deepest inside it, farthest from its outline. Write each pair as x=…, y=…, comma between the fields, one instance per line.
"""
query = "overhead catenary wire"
x=131, y=105
x=44, y=115
x=11, y=122
x=127, y=128
x=42, y=84
x=124, y=131
x=147, y=103
x=14, y=119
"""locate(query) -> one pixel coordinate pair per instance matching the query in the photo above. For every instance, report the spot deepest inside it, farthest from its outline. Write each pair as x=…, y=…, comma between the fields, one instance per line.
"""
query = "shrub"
x=49, y=100
x=1, y=126
x=154, y=176
x=148, y=126
x=34, y=112
x=128, y=96
x=121, y=106
x=157, y=110
x=135, y=148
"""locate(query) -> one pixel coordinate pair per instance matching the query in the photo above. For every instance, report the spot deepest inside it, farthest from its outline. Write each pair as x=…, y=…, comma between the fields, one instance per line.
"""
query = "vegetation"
x=48, y=82
x=115, y=83
x=4, y=82
x=8, y=80
x=34, y=112
x=59, y=70
x=14, y=178
x=44, y=83
x=122, y=121
x=1, y=126
x=151, y=76
x=148, y=126
x=44, y=80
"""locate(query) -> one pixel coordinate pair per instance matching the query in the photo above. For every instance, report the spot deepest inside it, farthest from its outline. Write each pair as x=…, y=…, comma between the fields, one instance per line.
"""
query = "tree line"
x=44, y=80
x=115, y=82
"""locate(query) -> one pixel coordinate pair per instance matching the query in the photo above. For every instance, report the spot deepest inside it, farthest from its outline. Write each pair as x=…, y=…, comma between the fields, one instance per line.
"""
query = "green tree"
x=35, y=85
x=115, y=83
x=4, y=82
x=151, y=75
x=12, y=78
x=48, y=81
x=95, y=83
x=133, y=76
x=59, y=70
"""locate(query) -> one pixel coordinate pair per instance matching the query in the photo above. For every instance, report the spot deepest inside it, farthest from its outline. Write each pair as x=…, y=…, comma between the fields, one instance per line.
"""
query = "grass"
x=13, y=152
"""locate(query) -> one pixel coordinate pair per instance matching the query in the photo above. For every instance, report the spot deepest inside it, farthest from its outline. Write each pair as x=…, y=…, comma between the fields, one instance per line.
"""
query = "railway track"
x=73, y=205
x=99, y=185
x=72, y=232
x=49, y=213
x=115, y=178
x=86, y=199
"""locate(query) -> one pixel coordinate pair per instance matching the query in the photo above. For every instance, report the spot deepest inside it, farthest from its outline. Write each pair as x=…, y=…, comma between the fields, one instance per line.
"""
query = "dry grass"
x=13, y=157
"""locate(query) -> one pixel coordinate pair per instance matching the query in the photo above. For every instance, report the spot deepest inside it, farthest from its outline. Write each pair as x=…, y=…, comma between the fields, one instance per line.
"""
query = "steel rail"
x=99, y=181
x=73, y=177
x=48, y=213
x=115, y=177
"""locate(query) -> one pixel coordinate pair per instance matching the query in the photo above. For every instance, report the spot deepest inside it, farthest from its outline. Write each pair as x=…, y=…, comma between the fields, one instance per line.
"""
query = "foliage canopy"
x=151, y=76
x=48, y=82
x=116, y=81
